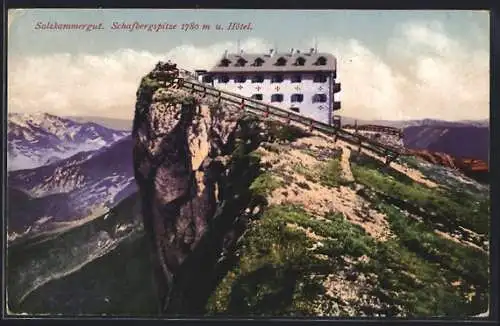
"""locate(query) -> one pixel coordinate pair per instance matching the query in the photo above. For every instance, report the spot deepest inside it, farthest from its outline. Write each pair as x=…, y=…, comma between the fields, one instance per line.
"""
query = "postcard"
x=248, y=163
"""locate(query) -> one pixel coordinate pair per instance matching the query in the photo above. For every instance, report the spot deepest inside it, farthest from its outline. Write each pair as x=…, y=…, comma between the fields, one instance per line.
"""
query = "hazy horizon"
x=131, y=118
x=393, y=65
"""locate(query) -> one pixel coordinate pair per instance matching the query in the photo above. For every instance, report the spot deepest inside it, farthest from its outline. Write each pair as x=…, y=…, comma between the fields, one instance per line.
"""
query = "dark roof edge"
x=288, y=71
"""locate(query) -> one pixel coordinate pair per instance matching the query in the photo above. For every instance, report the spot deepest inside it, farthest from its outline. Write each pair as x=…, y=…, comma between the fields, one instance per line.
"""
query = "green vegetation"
x=331, y=173
x=279, y=131
x=273, y=275
x=462, y=261
x=453, y=208
x=436, y=261
x=411, y=161
x=308, y=173
x=327, y=173
x=264, y=184
x=148, y=82
x=279, y=274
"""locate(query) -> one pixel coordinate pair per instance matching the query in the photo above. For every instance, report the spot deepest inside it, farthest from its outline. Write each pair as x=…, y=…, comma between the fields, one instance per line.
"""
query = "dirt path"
x=346, y=165
x=316, y=198
x=320, y=138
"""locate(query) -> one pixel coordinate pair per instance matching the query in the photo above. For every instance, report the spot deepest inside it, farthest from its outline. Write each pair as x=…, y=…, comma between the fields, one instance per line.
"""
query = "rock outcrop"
x=183, y=148
x=472, y=168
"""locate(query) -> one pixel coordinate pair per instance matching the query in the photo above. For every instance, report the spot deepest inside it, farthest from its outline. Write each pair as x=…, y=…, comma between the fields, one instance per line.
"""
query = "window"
x=319, y=98
x=296, y=79
x=258, y=79
x=206, y=79
x=258, y=62
x=277, y=79
x=258, y=97
x=225, y=62
x=300, y=61
x=240, y=79
x=241, y=62
x=223, y=79
x=321, y=61
x=297, y=98
x=320, y=78
x=295, y=109
x=281, y=61
x=277, y=98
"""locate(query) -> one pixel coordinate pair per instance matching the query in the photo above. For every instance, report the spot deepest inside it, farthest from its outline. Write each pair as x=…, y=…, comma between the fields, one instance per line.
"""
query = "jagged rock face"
x=179, y=144
x=475, y=169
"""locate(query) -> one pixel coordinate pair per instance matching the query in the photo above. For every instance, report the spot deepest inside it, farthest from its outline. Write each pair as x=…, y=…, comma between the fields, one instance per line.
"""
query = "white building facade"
x=301, y=82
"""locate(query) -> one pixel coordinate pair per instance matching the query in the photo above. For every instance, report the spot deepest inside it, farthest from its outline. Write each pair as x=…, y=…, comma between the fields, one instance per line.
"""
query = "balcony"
x=336, y=88
x=335, y=105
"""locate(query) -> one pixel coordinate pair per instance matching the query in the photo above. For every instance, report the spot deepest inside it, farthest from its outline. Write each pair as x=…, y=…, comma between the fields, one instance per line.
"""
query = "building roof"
x=270, y=62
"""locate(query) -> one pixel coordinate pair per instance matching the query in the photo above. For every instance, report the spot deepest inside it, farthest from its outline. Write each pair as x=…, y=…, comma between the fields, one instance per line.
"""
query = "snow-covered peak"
x=22, y=119
x=36, y=137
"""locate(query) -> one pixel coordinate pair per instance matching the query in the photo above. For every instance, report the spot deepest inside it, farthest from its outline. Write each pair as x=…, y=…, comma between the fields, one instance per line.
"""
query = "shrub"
x=331, y=173
x=284, y=132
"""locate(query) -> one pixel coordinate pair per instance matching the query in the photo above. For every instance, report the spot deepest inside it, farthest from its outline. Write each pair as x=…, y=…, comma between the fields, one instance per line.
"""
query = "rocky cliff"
x=187, y=152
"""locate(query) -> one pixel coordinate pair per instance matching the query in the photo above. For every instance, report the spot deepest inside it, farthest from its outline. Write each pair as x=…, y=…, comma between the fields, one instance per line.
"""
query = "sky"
x=393, y=65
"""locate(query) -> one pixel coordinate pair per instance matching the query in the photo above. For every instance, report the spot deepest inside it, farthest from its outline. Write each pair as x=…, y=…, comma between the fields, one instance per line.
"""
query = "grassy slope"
x=418, y=272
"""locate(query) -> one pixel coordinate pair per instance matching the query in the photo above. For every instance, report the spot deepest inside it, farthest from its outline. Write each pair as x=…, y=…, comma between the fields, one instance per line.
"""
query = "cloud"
x=425, y=74
x=422, y=73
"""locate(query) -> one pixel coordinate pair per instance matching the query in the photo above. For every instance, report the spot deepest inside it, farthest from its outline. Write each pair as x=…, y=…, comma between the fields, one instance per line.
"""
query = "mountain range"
x=87, y=172
x=124, y=124
x=418, y=122
x=461, y=141
x=39, y=139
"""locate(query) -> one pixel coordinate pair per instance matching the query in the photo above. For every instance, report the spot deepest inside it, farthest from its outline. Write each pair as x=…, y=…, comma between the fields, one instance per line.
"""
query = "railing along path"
x=187, y=81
